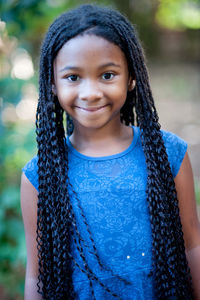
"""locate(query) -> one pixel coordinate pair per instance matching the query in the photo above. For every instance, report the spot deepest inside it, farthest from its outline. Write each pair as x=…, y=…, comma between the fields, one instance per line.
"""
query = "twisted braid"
x=57, y=226
x=172, y=274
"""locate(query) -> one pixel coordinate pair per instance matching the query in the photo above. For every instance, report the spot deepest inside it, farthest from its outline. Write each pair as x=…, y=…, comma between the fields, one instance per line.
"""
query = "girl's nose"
x=90, y=91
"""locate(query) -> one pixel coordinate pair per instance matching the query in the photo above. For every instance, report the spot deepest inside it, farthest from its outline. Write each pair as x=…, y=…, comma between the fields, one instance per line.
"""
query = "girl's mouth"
x=91, y=108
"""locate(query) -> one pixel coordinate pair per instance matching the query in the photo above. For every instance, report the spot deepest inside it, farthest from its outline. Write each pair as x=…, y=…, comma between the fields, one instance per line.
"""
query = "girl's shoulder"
x=31, y=171
x=176, y=149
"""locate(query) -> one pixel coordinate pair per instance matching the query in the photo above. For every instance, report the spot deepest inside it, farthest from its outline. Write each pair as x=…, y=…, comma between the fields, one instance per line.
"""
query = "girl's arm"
x=29, y=213
x=191, y=227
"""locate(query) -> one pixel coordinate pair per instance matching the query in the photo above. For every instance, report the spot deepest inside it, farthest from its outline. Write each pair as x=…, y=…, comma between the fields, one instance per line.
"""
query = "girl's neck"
x=104, y=141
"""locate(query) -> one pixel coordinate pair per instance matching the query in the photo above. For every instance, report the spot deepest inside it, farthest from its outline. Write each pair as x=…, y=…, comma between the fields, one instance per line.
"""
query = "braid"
x=57, y=226
x=172, y=274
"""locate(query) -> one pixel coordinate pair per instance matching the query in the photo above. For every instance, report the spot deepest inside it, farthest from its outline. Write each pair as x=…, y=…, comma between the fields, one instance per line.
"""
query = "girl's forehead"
x=89, y=48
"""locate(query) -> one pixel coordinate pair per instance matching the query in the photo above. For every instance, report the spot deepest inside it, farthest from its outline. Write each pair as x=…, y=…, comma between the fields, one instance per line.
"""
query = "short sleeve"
x=176, y=149
x=31, y=171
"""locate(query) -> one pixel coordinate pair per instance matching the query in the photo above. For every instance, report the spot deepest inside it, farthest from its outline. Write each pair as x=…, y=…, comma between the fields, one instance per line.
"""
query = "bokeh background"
x=170, y=34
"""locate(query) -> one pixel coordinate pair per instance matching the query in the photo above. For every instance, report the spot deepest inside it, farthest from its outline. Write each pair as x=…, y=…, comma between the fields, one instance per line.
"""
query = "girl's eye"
x=108, y=76
x=73, y=77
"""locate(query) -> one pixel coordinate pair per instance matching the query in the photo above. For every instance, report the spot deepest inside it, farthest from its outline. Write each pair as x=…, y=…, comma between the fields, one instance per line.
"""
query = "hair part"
x=56, y=222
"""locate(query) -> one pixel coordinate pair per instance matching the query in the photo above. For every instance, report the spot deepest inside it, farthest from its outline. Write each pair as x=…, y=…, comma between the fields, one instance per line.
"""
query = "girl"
x=101, y=205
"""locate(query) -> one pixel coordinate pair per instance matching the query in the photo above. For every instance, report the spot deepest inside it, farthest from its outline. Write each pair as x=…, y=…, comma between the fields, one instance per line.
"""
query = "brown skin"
x=99, y=132
x=91, y=73
x=191, y=227
x=29, y=197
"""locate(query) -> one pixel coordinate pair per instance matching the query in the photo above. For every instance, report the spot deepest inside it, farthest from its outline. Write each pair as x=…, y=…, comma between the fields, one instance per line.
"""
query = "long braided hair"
x=56, y=222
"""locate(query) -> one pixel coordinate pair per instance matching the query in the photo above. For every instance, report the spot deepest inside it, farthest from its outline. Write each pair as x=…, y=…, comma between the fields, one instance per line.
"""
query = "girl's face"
x=91, y=81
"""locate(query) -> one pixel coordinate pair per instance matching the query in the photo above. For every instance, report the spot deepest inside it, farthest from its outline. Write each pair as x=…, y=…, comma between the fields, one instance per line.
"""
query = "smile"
x=91, y=109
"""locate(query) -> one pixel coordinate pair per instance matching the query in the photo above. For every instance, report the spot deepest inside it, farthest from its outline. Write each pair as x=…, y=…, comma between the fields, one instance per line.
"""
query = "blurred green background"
x=170, y=34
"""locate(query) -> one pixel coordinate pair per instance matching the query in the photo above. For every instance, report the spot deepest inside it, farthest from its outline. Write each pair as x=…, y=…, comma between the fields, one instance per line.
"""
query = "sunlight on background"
x=6, y=47
x=173, y=14
x=22, y=65
x=9, y=114
x=191, y=16
x=26, y=108
x=2, y=29
x=18, y=63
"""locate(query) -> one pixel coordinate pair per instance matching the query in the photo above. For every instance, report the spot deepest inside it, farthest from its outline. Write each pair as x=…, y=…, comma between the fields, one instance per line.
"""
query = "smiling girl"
x=109, y=209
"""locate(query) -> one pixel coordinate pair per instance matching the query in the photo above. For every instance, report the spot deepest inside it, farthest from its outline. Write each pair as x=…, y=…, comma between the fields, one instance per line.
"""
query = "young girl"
x=101, y=203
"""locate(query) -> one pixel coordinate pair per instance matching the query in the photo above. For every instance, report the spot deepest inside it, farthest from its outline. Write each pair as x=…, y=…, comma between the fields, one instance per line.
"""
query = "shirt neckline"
x=107, y=157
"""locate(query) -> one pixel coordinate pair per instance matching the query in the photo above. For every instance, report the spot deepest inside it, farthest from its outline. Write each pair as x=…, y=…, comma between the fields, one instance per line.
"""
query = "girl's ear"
x=131, y=84
x=54, y=89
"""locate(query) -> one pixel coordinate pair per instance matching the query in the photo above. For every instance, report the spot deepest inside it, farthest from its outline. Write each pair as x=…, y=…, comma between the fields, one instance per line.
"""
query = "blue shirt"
x=111, y=191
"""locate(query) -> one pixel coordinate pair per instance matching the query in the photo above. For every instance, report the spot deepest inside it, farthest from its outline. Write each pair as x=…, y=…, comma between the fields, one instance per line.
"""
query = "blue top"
x=111, y=190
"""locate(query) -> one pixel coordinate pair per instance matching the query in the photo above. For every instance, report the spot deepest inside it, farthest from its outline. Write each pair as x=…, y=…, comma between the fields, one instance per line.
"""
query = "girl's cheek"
x=66, y=99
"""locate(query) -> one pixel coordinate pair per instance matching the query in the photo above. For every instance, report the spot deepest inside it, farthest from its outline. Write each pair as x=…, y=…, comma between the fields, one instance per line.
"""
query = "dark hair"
x=56, y=222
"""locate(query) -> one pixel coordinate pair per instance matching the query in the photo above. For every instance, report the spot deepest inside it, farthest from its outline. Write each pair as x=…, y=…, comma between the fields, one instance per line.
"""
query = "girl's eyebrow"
x=109, y=64
x=69, y=68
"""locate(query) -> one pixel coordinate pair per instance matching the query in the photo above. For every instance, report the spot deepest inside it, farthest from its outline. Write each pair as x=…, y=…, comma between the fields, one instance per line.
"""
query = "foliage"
x=179, y=14
x=21, y=30
x=16, y=148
